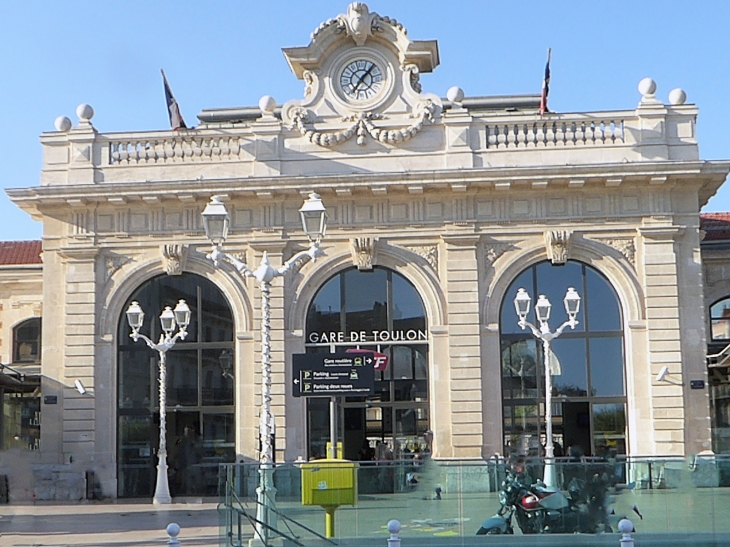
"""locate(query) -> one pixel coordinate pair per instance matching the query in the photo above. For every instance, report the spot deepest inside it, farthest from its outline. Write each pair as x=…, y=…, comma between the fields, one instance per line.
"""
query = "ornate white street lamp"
x=169, y=318
x=542, y=310
x=314, y=222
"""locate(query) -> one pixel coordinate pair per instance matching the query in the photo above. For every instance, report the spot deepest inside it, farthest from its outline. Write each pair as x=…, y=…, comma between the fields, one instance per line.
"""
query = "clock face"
x=361, y=79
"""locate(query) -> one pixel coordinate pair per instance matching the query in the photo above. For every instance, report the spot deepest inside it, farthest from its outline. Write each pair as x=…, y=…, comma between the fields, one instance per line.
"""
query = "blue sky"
x=57, y=55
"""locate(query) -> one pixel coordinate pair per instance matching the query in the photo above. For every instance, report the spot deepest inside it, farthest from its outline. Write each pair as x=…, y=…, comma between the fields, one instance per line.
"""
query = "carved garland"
x=363, y=125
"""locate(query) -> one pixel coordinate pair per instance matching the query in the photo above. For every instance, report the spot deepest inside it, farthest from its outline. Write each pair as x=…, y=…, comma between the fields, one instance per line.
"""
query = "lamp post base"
x=550, y=473
x=162, y=487
x=266, y=502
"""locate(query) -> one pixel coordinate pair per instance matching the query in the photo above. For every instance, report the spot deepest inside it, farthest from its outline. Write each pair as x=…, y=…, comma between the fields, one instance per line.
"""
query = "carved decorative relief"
x=363, y=252
x=174, y=258
x=557, y=245
x=493, y=251
x=113, y=263
x=429, y=252
x=625, y=246
x=358, y=23
x=309, y=80
x=362, y=125
x=414, y=76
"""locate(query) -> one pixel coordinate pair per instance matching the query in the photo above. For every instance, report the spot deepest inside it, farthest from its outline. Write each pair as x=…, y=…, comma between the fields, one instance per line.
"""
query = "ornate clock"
x=361, y=80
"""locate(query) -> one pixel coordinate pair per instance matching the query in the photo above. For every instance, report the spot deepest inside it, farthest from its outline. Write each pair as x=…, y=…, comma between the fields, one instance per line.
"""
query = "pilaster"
x=465, y=370
x=79, y=327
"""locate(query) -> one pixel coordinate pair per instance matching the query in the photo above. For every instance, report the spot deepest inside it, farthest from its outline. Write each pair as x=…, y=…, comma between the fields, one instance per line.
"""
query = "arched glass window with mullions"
x=587, y=365
x=200, y=380
x=378, y=310
x=720, y=320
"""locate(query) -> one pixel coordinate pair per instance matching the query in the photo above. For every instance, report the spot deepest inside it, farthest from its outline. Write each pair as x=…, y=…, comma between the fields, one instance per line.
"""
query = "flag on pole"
x=173, y=110
x=545, y=86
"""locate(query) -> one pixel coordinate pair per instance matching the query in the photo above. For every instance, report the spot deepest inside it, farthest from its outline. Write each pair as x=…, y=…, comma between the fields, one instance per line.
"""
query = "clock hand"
x=360, y=80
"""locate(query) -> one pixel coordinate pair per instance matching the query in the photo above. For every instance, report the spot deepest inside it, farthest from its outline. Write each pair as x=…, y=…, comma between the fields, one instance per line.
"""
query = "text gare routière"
x=332, y=374
x=410, y=335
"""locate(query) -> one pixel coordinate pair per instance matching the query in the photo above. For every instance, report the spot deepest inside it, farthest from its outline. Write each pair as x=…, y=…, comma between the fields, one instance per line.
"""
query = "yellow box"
x=329, y=483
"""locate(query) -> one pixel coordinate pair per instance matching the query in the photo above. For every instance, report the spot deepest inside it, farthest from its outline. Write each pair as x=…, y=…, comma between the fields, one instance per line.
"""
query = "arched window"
x=587, y=364
x=719, y=375
x=379, y=310
x=27, y=341
x=720, y=320
x=200, y=380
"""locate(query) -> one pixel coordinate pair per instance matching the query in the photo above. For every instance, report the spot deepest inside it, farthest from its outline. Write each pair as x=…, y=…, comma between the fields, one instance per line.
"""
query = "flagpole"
x=545, y=85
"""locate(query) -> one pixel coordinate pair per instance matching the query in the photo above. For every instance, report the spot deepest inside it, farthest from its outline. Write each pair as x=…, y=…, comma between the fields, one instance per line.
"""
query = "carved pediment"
x=355, y=28
x=361, y=79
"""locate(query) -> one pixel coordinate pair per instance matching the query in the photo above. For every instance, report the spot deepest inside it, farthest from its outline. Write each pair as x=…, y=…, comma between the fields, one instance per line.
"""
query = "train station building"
x=440, y=208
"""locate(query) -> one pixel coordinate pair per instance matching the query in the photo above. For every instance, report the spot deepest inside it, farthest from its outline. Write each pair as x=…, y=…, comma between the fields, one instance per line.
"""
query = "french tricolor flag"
x=176, y=119
x=545, y=86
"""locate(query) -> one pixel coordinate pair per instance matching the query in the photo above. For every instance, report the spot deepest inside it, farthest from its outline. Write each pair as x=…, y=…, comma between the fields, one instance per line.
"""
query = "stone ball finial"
x=85, y=112
x=677, y=96
x=267, y=104
x=647, y=87
x=393, y=526
x=173, y=529
x=62, y=123
x=625, y=526
x=455, y=94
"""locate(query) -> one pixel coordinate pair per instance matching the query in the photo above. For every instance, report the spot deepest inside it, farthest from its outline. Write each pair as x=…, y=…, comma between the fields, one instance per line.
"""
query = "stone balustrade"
x=465, y=138
x=188, y=147
x=556, y=132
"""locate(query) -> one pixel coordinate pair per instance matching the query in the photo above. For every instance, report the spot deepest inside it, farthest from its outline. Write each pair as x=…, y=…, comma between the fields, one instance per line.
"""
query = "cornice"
x=604, y=174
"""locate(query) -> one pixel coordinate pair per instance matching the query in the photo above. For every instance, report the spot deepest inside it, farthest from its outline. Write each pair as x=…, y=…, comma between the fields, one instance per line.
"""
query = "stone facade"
x=459, y=195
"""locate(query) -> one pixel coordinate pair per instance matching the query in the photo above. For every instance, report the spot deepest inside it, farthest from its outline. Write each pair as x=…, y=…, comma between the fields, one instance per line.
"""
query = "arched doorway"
x=589, y=394
x=379, y=310
x=200, y=386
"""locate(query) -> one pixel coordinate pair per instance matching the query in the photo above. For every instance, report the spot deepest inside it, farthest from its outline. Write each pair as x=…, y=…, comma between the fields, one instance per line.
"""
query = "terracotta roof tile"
x=20, y=252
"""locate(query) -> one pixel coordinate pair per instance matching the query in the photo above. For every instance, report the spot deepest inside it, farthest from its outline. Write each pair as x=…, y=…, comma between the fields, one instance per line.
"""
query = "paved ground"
x=696, y=516
x=112, y=524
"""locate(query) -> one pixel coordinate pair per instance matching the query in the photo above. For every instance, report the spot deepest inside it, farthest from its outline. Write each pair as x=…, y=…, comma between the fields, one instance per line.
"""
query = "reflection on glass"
x=519, y=371
x=135, y=379
x=217, y=386
x=553, y=282
x=720, y=319
x=27, y=341
x=135, y=434
x=609, y=429
x=587, y=364
x=568, y=364
x=602, y=313
x=182, y=378
x=352, y=305
x=197, y=390
x=324, y=313
x=607, y=366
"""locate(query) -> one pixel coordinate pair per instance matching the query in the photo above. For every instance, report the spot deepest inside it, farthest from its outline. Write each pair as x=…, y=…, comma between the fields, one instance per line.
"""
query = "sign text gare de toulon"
x=339, y=337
